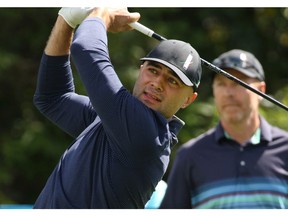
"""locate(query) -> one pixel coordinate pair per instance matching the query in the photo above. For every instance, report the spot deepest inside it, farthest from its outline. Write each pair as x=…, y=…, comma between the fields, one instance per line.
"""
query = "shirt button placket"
x=242, y=162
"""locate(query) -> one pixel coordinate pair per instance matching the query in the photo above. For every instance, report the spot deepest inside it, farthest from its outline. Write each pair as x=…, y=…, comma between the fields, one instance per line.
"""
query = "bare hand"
x=116, y=19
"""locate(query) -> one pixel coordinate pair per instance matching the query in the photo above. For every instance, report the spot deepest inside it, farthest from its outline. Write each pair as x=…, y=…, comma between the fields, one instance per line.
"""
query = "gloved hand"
x=74, y=15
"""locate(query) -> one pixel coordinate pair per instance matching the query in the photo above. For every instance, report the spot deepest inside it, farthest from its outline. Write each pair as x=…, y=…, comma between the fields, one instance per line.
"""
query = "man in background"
x=243, y=161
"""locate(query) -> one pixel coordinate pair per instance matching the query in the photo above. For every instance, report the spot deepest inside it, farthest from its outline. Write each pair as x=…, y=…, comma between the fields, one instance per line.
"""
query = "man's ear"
x=189, y=100
x=261, y=87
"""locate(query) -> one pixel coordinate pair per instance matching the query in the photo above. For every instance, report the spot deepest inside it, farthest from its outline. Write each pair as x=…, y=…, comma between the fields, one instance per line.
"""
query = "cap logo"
x=243, y=57
x=188, y=61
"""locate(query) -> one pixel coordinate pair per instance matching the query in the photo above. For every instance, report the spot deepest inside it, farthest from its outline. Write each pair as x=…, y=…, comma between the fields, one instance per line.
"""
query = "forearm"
x=90, y=55
x=60, y=39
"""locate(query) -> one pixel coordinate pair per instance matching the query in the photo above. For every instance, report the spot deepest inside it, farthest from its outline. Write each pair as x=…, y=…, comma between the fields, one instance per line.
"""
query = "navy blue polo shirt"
x=121, y=148
x=214, y=171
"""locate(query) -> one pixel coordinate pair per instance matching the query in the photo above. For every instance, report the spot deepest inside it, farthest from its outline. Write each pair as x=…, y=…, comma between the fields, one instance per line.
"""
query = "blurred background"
x=30, y=145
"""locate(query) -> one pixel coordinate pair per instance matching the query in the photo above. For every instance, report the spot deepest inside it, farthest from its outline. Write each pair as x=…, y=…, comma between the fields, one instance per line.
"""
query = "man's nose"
x=230, y=89
x=158, y=84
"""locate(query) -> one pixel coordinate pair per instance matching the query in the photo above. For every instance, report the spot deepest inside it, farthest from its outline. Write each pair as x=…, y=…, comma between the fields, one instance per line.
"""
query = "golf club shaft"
x=143, y=29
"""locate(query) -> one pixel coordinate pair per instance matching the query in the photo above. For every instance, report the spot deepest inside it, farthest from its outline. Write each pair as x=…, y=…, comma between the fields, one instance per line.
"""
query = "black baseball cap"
x=242, y=61
x=181, y=58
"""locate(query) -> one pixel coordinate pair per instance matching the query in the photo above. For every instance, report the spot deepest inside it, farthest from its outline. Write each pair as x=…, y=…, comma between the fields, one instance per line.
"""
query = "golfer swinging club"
x=122, y=140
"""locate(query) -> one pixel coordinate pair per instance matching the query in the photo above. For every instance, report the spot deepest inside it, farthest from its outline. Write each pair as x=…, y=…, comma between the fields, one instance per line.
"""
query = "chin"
x=234, y=118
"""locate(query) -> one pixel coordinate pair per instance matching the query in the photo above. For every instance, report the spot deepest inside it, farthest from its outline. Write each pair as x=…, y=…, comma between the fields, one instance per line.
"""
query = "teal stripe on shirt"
x=242, y=193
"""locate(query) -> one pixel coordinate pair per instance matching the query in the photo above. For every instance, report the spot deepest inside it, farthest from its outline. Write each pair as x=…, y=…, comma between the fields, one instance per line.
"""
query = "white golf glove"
x=74, y=15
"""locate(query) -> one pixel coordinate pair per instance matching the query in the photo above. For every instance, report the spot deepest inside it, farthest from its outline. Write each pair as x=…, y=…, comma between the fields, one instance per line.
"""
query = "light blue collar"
x=255, y=139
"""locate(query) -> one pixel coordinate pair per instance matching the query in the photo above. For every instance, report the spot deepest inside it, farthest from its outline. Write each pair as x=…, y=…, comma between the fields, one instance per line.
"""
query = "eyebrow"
x=159, y=66
x=154, y=64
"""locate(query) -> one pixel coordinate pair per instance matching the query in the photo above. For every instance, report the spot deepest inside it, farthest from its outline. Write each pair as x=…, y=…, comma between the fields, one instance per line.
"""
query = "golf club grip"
x=146, y=31
x=143, y=29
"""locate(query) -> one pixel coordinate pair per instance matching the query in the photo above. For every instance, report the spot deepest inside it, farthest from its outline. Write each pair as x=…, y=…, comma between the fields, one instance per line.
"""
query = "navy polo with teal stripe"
x=214, y=171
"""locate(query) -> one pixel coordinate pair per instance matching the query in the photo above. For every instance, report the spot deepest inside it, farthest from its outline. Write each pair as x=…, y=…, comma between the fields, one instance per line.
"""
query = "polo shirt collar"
x=254, y=140
x=175, y=125
x=262, y=134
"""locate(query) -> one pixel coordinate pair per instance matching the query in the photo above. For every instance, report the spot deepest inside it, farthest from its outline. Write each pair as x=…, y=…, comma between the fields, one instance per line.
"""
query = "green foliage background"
x=30, y=146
